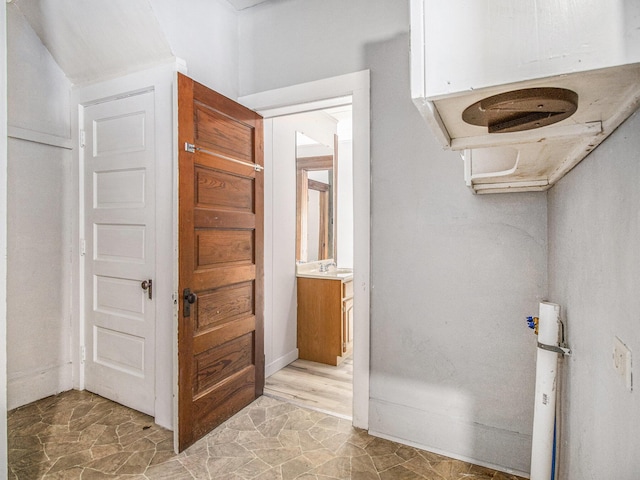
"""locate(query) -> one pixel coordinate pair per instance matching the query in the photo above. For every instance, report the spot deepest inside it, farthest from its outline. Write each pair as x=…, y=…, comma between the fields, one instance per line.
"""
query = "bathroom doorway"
x=321, y=376
x=280, y=216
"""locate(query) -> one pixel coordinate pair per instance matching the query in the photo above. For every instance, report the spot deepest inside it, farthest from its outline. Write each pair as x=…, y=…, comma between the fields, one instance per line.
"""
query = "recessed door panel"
x=120, y=189
x=217, y=189
x=223, y=134
x=119, y=134
x=119, y=243
x=119, y=351
x=120, y=297
x=215, y=364
x=218, y=247
x=222, y=305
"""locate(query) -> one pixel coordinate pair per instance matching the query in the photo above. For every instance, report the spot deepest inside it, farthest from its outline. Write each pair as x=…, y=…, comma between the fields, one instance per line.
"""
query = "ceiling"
x=95, y=39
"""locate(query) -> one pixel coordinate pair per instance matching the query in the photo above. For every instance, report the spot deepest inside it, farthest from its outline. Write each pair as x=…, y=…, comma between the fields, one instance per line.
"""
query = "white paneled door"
x=119, y=243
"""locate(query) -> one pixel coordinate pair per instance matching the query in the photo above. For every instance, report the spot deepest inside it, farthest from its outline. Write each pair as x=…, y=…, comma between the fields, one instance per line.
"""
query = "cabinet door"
x=347, y=325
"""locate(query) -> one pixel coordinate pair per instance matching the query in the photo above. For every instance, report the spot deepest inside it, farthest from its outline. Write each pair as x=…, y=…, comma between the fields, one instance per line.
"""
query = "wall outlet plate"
x=622, y=362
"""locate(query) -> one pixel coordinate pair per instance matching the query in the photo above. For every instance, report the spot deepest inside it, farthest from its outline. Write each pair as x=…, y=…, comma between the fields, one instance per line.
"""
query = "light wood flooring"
x=324, y=388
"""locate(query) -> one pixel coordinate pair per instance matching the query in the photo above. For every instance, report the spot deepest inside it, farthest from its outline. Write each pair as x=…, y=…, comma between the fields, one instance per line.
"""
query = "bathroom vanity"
x=325, y=315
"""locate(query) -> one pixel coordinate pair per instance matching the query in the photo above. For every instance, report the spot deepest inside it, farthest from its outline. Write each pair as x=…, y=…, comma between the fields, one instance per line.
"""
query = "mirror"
x=316, y=200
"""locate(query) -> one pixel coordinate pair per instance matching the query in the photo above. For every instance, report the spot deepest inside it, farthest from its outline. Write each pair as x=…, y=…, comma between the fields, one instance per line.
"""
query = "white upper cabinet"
x=582, y=57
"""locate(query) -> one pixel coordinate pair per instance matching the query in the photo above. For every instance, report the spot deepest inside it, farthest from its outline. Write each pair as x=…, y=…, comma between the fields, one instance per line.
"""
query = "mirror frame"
x=303, y=184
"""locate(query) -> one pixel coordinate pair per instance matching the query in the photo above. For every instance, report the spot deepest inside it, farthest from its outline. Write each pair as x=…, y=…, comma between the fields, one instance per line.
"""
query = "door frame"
x=161, y=80
x=324, y=94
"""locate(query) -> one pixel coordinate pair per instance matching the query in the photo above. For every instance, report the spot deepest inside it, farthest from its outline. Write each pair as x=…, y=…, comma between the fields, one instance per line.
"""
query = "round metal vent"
x=524, y=109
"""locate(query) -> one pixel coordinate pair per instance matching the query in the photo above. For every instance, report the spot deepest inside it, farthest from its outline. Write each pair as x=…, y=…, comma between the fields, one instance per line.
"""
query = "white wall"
x=453, y=275
x=38, y=223
x=39, y=92
x=594, y=265
x=290, y=41
x=204, y=34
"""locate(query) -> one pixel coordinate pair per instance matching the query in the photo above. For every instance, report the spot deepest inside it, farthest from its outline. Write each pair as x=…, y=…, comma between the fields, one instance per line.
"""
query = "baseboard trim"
x=281, y=362
x=462, y=458
x=454, y=438
x=27, y=387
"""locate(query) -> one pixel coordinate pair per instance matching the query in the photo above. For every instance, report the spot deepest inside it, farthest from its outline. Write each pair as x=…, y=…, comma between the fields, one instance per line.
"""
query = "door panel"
x=220, y=339
x=120, y=250
x=119, y=243
x=212, y=126
x=223, y=305
x=217, y=189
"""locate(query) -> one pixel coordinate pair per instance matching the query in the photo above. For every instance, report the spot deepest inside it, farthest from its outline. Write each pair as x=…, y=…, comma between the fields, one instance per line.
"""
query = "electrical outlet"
x=622, y=362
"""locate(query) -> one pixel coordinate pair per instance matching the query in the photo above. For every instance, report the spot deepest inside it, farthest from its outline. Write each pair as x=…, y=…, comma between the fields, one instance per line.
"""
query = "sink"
x=333, y=273
x=341, y=271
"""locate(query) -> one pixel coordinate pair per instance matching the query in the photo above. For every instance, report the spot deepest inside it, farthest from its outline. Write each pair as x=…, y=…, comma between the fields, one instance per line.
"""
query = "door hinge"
x=83, y=354
x=83, y=247
x=189, y=147
x=82, y=139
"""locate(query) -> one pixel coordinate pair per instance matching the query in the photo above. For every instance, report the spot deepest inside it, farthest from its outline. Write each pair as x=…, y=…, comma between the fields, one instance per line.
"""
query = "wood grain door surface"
x=220, y=256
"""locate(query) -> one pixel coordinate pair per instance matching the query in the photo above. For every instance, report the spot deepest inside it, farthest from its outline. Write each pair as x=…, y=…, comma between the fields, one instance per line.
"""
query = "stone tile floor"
x=79, y=435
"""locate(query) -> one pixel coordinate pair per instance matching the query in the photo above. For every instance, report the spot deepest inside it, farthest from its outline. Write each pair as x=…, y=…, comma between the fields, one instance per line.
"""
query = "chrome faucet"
x=324, y=267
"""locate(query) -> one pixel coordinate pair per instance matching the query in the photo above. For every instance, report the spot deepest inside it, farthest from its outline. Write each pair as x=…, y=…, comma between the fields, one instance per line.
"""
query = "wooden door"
x=119, y=238
x=220, y=256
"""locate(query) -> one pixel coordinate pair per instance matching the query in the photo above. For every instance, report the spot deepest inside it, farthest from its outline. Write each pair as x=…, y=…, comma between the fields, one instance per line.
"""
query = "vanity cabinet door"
x=347, y=326
x=325, y=320
x=347, y=289
x=320, y=320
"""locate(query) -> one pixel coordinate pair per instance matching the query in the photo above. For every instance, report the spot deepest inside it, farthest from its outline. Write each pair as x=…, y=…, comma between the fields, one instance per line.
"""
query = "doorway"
x=117, y=121
x=313, y=96
x=316, y=207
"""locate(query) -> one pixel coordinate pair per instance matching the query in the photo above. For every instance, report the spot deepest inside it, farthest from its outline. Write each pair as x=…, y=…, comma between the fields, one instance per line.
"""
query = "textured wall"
x=453, y=275
x=594, y=274
x=38, y=221
x=204, y=33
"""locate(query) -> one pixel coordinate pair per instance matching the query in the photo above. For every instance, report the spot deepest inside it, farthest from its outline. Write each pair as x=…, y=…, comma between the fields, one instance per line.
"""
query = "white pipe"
x=545, y=397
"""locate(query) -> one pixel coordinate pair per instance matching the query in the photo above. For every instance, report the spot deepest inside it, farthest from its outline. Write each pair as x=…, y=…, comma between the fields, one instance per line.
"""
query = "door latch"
x=148, y=286
x=189, y=298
